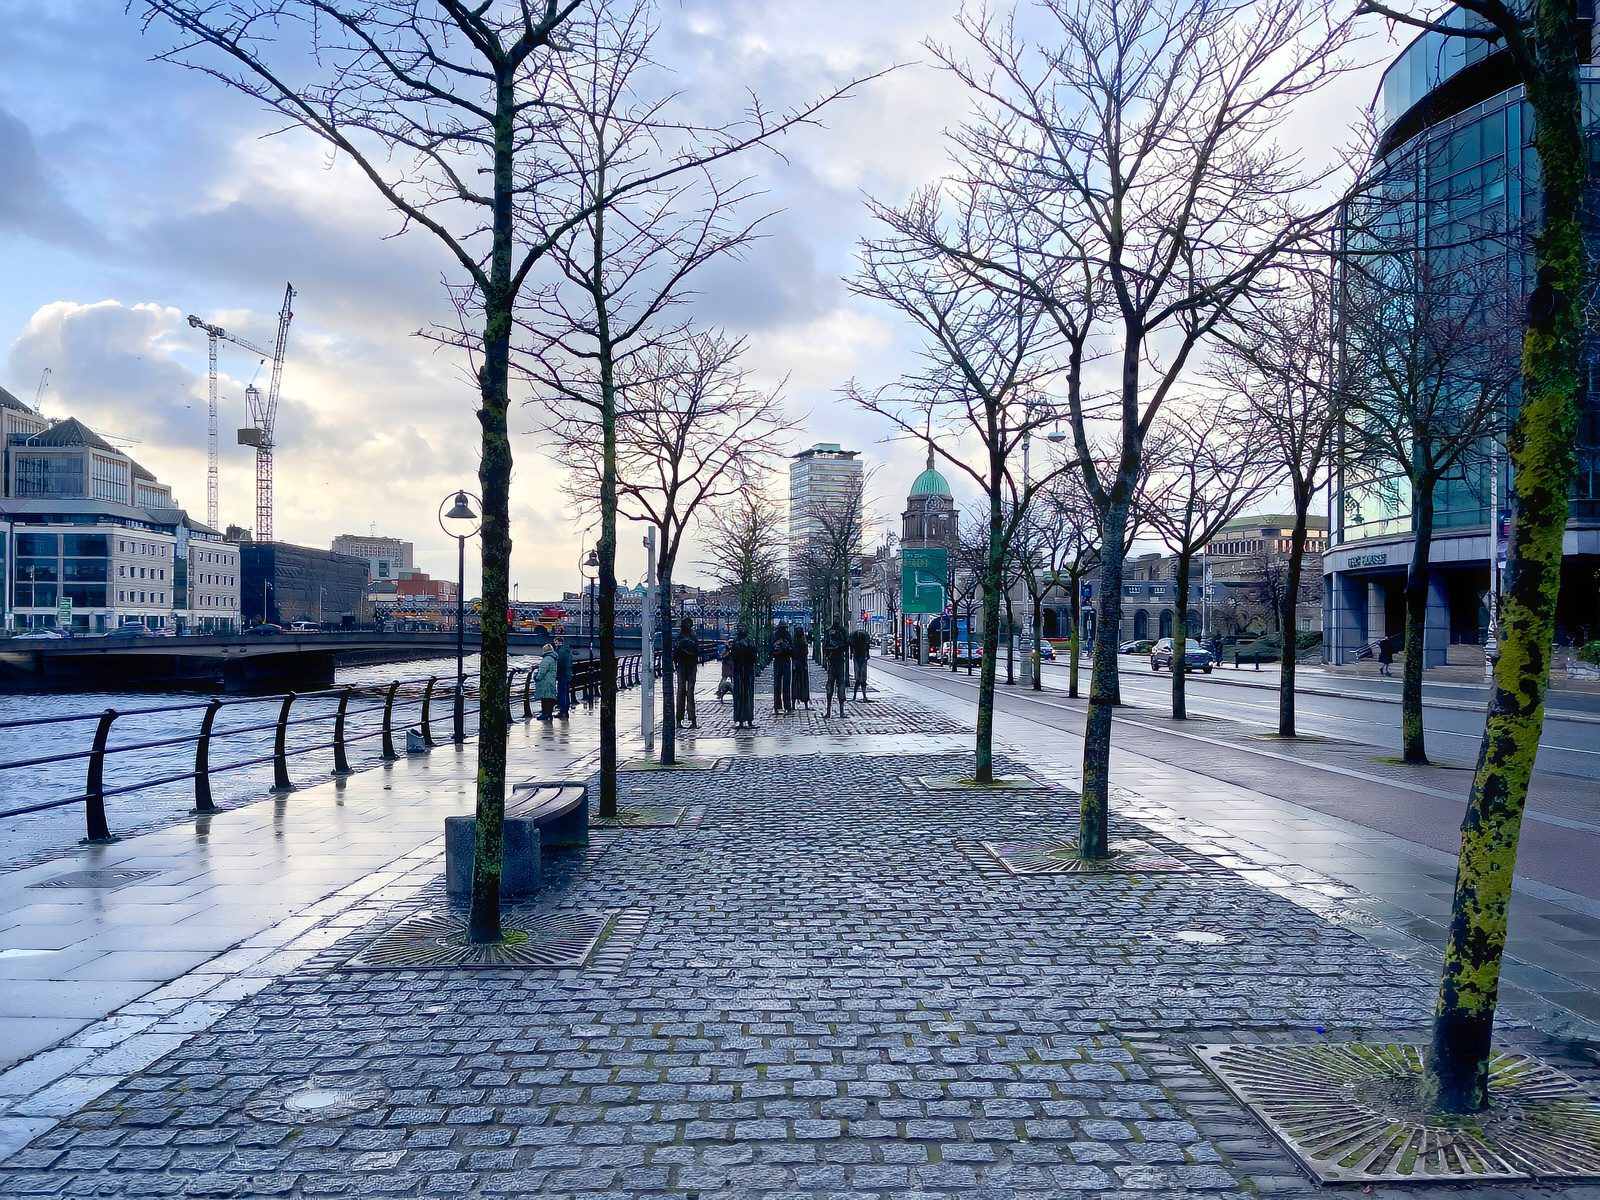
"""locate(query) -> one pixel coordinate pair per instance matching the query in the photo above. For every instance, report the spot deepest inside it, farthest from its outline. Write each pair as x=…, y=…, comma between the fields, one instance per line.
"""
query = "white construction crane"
x=262, y=417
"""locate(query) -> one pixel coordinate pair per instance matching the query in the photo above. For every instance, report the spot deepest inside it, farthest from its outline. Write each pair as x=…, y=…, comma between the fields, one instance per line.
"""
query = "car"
x=1195, y=655
x=1140, y=646
x=305, y=627
x=39, y=635
x=265, y=629
x=128, y=631
x=1047, y=652
x=966, y=654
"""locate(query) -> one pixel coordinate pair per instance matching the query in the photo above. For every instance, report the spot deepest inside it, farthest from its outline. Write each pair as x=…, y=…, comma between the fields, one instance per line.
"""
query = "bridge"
x=240, y=662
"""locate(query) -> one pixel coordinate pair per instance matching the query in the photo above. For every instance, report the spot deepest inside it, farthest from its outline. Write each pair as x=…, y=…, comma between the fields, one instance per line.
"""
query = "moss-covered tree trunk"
x=993, y=570
x=669, y=715
x=1291, y=641
x=608, y=520
x=1413, y=748
x=1542, y=454
x=1180, y=641
x=494, y=477
x=1095, y=807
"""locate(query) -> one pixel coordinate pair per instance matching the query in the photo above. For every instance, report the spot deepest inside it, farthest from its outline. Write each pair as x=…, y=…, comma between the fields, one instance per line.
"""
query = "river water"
x=236, y=739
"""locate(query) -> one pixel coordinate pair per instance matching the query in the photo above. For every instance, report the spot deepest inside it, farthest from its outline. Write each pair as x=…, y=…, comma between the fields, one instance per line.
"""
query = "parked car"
x=1142, y=646
x=1195, y=656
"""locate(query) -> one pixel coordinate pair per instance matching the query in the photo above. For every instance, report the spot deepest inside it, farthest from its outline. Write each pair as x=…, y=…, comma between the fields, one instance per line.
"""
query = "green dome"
x=930, y=483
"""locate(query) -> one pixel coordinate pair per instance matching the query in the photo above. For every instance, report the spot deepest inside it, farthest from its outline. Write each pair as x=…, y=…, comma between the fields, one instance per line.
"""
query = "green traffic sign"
x=922, y=580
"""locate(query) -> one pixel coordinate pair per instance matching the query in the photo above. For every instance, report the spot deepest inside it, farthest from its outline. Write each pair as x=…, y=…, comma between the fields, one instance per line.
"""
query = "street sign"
x=922, y=580
x=64, y=613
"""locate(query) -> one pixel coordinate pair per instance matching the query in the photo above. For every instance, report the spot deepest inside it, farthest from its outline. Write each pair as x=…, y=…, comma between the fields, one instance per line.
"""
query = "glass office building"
x=1460, y=182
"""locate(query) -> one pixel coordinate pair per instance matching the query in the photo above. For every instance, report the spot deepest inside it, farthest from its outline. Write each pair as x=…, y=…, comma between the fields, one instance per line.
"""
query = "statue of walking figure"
x=860, y=651
x=686, y=657
x=742, y=659
x=802, y=668
x=835, y=648
x=782, y=649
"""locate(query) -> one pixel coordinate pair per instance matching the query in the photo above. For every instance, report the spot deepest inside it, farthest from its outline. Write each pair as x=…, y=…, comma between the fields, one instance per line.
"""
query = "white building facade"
x=825, y=476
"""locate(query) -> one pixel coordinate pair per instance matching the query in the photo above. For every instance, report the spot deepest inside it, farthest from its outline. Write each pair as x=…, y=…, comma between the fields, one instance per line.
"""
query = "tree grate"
x=438, y=940
x=646, y=816
x=1351, y=1113
x=105, y=878
x=1129, y=856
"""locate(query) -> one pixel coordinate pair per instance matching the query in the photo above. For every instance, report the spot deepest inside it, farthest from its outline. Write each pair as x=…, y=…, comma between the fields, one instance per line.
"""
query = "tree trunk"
x=992, y=565
x=494, y=477
x=1093, y=841
x=1011, y=642
x=1074, y=606
x=1542, y=455
x=1180, y=641
x=1038, y=640
x=669, y=717
x=1413, y=749
x=608, y=538
x=1291, y=641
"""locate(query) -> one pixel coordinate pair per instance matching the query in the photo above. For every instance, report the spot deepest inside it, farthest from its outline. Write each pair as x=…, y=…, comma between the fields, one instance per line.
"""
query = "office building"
x=825, y=484
x=387, y=558
x=1461, y=181
x=284, y=583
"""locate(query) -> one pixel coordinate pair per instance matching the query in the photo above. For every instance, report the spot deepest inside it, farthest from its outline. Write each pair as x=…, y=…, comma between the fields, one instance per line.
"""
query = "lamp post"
x=266, y=607
x=589, y=568
x=461, y=522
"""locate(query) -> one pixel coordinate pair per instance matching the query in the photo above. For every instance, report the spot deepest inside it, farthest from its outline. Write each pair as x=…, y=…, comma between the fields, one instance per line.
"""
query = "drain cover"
x=439, y=939
x=1129, y=857
x=315, y=1099
x=1191, y=937
x=107, y=878
x=1352, y=1114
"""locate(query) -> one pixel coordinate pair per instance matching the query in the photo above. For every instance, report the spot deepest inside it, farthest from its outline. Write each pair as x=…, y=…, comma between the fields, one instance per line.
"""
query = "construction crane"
x=262, y=417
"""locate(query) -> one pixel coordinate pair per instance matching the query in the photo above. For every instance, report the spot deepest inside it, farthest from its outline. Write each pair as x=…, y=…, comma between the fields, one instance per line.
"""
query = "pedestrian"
x=835, y=649
x=563, y=678
x=686, y=657
x=545, y=683
x=781, y=649
x=1385, y=656
x=802, y=667
x=742, y=666
x=860, y=651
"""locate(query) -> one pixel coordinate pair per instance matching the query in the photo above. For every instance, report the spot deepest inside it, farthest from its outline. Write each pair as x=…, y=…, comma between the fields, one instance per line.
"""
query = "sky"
x=134, y=193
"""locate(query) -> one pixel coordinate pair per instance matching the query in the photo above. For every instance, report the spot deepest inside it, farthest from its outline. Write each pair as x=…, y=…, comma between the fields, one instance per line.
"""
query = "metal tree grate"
x=643, y=816
x=1351, y=1113
x=106, y=878
x=438, y=939
x=1128, y=856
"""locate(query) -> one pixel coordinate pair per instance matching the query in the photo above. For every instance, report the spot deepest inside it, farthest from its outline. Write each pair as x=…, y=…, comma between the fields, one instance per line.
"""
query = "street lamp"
x=266, y=607
x=589, y=568
x=461, y=522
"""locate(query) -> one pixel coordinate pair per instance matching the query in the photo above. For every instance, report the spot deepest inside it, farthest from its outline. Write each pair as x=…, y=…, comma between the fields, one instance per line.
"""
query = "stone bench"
x=539, y=814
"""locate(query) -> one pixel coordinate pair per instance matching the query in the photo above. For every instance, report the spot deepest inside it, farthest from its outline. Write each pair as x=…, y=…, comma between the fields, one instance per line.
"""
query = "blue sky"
x=136, y=193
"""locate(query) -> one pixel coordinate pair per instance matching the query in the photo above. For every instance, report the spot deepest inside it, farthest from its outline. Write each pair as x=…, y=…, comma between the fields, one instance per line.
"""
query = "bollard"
x=388, y=723
x=202, y=761
x=280, y=749
x=94, y=808
x=427, y=703
x=1258, y=662
x=527, y=692
x=341, y=764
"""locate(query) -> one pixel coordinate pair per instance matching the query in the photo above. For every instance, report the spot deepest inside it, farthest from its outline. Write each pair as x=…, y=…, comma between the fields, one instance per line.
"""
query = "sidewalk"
x=829, y=988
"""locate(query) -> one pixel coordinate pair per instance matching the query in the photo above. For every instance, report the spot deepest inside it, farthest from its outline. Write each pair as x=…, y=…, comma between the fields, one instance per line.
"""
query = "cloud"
x=31, y=202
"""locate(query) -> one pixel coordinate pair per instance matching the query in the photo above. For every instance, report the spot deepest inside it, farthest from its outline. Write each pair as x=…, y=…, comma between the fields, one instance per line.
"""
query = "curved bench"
x=559, y=807
x=539, y=814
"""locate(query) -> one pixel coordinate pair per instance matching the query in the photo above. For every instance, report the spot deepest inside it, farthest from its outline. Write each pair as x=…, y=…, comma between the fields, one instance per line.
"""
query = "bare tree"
x=1430, y=359
x=987, y=356
x=692, y=436
x=1281, y=357
x=837, y=536
x=639, y=208
x=1069, y=545
x=1132, y=149
x=1209, y=464
x=745, y=555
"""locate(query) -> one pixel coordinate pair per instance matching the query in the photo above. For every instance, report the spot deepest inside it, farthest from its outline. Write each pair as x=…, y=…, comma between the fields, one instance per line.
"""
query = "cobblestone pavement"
x=836, y=994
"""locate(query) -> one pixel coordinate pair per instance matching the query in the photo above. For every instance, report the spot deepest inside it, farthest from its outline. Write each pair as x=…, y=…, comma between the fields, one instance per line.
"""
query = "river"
x=35, y=836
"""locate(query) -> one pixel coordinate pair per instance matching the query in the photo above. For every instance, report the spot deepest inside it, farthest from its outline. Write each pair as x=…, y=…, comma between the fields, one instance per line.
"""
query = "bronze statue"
x=686, y=657
x=860, y=650
x=835, y=647
x=742, y=665
x=802, y=668
x=781, y=647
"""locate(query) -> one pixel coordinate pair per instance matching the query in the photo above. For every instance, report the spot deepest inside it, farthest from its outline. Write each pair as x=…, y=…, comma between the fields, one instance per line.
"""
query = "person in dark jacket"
x=563, y=678
x=802, y=667
x=686, y=657
x=835, y=650
x=742, y=666
x=860, y=650
x=1385, y=656
x=781, y=648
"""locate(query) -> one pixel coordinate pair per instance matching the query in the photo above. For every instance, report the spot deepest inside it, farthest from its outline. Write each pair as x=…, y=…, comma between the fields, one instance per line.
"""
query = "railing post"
x=388, y=723
x=94, y=808
x=202, y=760
x=280, y=749
x=527, y=691
x=427, y=704
x=511, y=677
x=341, y=763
